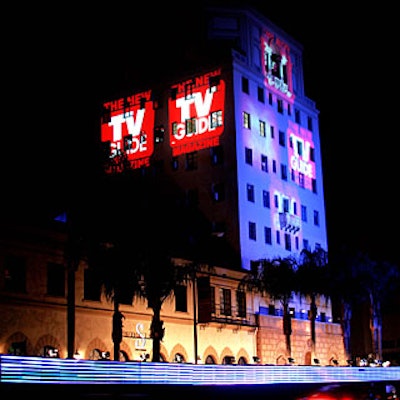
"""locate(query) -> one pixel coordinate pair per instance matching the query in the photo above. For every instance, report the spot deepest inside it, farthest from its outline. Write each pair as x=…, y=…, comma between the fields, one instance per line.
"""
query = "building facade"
x=236, y=140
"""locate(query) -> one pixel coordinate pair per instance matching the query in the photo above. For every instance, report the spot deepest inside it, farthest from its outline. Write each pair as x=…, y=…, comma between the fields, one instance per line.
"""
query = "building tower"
x=237, y=136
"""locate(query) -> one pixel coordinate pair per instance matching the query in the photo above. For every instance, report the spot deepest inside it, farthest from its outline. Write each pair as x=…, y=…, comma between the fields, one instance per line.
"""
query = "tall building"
x=233, y=143
x=240, y=139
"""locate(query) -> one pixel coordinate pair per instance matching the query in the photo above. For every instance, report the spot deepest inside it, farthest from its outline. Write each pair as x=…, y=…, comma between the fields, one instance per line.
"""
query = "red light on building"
x=196, y=112
x=127, y=127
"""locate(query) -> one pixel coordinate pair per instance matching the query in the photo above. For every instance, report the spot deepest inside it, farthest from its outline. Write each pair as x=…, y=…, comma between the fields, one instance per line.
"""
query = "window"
x=306, y=244
x=312, y=154
x=250, y=192
x=276, y=201
x=245, y=85
x=14, y=274
x=270, y=99
x=246, y=120
x=309, y=124
x=214, y=81
x=216, y=119
x=266, y=199
x=191, y=161
x=252, y=231
x=286, y=205
x=264, y=163
x=284, y=172
x=249, y=156
x=301, y=180
x=263, y=129
x=212, y=295
x=267, y=235
x=297, y=116
x=241, y=303
x=180, y=293
x=225, y=302
x=304, y=213
x=260, y=94
x=175, y=163
x=218, y=192
x=159, y=134
x=299, y=147
x=272, y=129
x=280, y=106
x=316, y=218
x=189, y=90
x=278, y=237
x=294, y=208
x=218, y=228
x=288, y=242
x=217, y=155
x=55, y=279
x=296, y=240
x=314, y=185
x=190, y=125
x=282, y=138
x=289, y=109
x=271, y=309
x=274, y=166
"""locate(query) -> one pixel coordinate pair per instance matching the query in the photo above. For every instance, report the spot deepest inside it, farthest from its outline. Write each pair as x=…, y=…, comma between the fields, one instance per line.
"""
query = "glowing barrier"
x=40, y=370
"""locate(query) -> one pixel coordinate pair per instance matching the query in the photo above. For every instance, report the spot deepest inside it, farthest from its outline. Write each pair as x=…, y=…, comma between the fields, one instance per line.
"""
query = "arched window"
x=210, y=360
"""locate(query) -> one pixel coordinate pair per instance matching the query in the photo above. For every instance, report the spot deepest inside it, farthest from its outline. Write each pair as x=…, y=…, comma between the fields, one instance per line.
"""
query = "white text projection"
x=196, y=112
x=301, y=156
x=127, y=131
x=277, y=65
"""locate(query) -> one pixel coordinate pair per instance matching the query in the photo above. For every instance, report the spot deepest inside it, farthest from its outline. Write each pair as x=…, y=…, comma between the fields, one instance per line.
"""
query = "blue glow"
x=16, y=369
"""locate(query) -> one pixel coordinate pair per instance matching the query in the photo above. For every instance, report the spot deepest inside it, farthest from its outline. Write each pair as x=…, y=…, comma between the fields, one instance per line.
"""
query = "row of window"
x=191, y=159
x=295, y=176
x=15, y=281
x=284, y=206
x=287, y=237
x=279, y=102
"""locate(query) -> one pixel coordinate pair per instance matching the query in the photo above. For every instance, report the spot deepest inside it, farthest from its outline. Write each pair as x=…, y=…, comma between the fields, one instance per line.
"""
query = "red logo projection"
x=196, y=111
x=127, y=131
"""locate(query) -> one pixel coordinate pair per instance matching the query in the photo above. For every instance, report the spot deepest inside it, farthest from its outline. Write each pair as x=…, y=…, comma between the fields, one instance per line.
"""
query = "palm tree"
x=345, y=290
x=117, y=272
x=274, y=278
x=312, y=280
x=378, y=280
x=159, y=275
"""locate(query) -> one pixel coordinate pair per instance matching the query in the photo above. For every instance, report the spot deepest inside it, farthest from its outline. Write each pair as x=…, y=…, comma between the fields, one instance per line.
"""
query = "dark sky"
x=60, y=62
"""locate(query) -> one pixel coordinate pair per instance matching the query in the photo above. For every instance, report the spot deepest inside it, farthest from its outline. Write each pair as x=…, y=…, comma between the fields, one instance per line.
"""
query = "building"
x=235, y=144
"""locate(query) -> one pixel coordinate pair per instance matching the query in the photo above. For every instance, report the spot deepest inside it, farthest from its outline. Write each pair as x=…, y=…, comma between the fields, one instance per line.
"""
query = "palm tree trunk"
x=287, y=328
x=157, y=333
x=376, y=329
x=117, y=329
x=314, y=311
x=346, y=328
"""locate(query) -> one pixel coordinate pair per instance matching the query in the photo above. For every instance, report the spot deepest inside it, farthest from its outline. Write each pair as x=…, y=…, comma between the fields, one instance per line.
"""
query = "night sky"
x=61, y=63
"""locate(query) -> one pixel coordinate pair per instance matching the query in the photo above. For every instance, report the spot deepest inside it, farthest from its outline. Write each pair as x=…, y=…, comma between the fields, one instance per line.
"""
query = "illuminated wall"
x=196, y=113
x=279, y=165
x=196, y=121
x=127, y=131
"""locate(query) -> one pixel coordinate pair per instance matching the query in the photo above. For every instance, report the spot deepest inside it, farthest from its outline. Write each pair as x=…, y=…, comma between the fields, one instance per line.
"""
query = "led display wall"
x=301, y=155
x=127, y=130
x=277, y=64
x=196, y=113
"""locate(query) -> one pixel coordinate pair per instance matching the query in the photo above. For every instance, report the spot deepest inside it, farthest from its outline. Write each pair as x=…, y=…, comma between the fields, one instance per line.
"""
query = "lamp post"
x=195, y=317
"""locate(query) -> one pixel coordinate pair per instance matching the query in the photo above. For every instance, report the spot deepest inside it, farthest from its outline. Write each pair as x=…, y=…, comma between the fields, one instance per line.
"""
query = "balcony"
x=288, y=222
